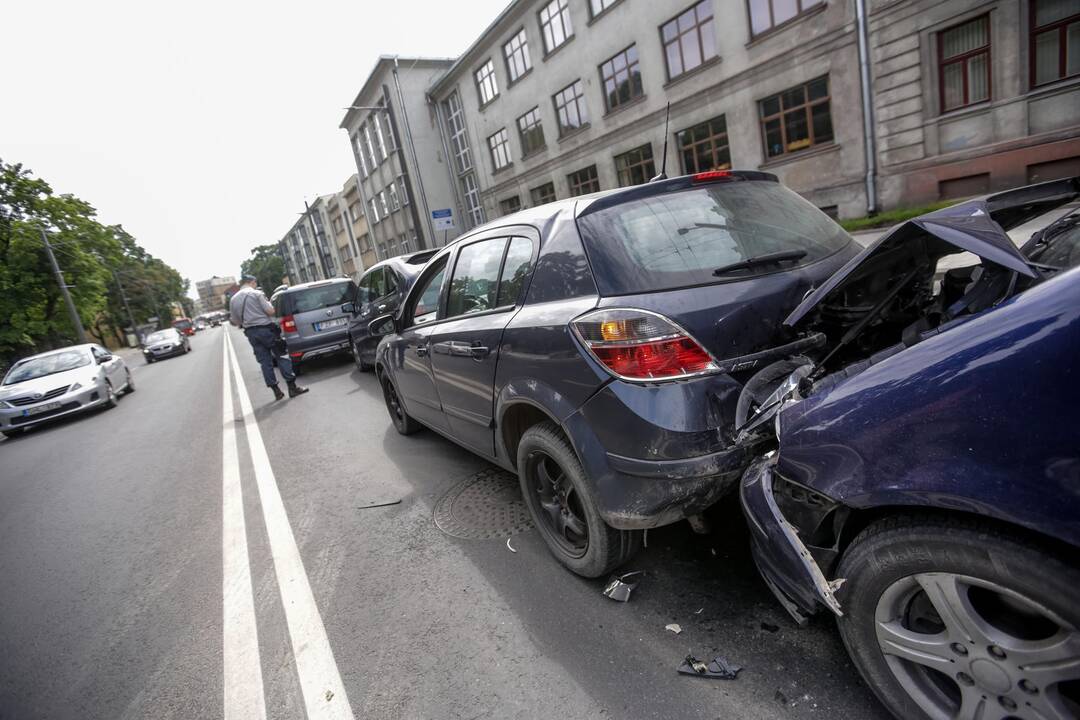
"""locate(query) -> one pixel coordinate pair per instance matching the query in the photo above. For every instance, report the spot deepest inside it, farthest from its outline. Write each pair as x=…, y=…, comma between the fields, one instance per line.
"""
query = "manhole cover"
x=486, y=505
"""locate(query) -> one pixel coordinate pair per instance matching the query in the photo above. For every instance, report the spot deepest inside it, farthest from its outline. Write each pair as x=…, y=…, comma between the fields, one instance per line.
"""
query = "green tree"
x=265, y=264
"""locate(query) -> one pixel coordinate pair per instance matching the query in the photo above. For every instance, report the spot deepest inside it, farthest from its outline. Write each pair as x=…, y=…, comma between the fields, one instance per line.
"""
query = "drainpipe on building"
x=450, y=167
x=868, y=107
x=412, y=151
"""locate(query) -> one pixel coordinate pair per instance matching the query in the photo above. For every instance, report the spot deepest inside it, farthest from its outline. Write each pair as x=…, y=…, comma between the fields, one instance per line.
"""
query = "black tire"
x=13, y=433
x=561, y=513
x=358, y=360
x=110, y=396
x=149, y=360
x=403, y=422
x=1002, y=580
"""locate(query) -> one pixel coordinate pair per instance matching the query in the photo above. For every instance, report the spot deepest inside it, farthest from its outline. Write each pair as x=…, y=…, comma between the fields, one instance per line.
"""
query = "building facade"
x=563, y=97
x=397, y=148
x=213, y=293
x=310, y=249
x=348, y=230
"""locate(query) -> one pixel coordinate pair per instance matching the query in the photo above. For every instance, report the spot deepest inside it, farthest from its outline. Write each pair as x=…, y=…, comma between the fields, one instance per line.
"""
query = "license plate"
x=41, y=409
x=327, y=324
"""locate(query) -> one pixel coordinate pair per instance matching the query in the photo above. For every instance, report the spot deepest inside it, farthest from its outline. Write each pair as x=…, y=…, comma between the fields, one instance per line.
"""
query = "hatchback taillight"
x=641, y=345
x=288, y=324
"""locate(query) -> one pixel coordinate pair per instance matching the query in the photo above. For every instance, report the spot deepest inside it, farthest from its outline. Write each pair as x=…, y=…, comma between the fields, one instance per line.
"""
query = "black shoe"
x=295, y=389
x=278, y=395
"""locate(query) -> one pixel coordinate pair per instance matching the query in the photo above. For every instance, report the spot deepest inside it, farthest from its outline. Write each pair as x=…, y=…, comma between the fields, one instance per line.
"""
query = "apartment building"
x=212, y=293
x=309, y=251
x=348, y=229
x=398, y=151
x=564, y=97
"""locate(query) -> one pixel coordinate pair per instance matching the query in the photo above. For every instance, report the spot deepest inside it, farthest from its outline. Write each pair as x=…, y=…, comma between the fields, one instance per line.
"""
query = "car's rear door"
x=485, y=286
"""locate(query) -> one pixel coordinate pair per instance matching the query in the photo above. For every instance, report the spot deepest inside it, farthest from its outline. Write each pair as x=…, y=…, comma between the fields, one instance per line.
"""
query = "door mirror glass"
x=382, y=325
x=348, y=308
x=102, y=359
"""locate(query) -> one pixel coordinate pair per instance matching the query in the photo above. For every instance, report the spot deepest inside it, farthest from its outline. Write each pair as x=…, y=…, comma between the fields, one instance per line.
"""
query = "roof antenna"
x=663, y=160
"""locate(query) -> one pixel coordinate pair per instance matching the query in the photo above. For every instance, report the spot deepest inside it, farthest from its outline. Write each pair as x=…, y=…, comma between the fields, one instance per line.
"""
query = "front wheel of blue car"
x=952, y=618
x=557, y=494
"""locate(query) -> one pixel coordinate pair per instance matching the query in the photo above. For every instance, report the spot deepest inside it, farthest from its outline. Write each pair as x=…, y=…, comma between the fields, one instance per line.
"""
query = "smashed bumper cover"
x=783, y=560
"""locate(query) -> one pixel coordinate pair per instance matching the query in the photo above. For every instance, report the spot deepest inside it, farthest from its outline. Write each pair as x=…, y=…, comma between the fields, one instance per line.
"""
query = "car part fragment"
x=718, y=667
x=619, y=587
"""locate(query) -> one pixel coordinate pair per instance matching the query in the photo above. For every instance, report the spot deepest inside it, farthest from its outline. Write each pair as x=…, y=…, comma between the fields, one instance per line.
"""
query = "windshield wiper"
x=758, y=260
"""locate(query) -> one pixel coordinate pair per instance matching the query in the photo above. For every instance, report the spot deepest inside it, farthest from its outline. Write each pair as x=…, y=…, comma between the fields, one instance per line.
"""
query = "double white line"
x=320, y=681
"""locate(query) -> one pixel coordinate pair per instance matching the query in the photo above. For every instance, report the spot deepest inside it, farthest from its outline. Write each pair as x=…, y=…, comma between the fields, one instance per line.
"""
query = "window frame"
x=565, y=23
x=805, y=8
x=807, y=106
x=678, y=40
x=503, y=145
x=962, y=60
x=629, y=68
x=572, y=184
x=537, y=126
x=682, y=147
x=594, y=13
x=435, y=266
x=480, y=82
x=506, y=201
x=538, y=200
x=522, y=52
x=1062, y=28
x=629, y=168
x=580, y=107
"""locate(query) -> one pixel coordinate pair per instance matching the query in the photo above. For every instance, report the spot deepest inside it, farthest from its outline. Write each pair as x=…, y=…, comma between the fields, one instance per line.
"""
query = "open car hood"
x=978, y=226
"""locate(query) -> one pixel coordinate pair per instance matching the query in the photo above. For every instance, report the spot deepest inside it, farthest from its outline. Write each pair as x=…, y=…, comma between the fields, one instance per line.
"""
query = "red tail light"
x=640, y=345
x=711, y=175
x=288, y=324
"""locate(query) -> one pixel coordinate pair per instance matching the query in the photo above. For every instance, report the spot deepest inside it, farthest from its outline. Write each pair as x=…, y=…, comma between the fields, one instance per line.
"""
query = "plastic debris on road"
x=619, y=587
x=718, y=667
x=674, y=627
x=509, y=546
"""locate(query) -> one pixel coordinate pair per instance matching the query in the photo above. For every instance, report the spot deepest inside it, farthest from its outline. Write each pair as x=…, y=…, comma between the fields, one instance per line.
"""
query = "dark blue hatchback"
x=598, y=347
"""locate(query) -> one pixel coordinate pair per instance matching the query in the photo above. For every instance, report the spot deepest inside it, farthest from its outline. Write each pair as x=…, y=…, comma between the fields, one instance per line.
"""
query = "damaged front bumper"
x=783, y=560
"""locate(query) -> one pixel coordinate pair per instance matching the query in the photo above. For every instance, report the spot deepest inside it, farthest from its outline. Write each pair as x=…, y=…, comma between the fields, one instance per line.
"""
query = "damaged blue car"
x=919, y=468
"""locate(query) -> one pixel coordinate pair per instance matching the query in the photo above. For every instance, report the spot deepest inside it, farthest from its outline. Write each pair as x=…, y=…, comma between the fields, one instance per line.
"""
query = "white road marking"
x=320, y=681
x=244, y=698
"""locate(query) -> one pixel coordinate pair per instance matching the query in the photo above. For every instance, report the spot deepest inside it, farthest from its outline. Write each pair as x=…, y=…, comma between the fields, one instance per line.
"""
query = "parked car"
x=60, y=382
x=201, y=325
x=184, y=326
x=923, y=480
x=313, y=320
x=165, y=343
x=379, y=293
x=597, y=346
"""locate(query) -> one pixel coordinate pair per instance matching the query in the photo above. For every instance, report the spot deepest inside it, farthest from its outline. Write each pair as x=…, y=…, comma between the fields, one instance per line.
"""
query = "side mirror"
x=104, y=359
x=382, y=325
x=348, y=308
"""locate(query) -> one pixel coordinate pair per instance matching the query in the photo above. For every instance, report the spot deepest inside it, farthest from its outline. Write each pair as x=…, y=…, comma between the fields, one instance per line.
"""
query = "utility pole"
x=75, y=321
x=123, y=296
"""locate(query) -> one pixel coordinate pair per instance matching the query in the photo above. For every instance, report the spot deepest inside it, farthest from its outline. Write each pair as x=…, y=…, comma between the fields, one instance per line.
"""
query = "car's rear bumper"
x=325, y=343
x=178, y=350
x=71, y=403
x=784, y=561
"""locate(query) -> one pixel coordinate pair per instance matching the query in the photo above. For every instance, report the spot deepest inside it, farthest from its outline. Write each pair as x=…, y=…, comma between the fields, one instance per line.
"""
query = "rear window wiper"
x=758, y=260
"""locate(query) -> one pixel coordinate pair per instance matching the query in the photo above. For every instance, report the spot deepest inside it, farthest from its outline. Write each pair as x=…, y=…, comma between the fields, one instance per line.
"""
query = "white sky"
x=202, y=126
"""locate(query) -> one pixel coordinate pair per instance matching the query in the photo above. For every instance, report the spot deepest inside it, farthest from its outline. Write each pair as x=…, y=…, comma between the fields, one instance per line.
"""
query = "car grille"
x=23, y=401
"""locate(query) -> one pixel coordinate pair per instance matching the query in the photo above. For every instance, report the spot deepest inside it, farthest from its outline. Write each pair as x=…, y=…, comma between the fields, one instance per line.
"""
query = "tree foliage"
x=88, y=252
x=265, y=264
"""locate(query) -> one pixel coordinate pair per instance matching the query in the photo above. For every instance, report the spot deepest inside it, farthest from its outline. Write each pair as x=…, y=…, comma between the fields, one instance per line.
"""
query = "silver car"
x=60, y=382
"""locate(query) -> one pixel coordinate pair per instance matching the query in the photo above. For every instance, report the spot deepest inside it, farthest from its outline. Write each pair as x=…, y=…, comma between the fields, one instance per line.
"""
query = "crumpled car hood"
x=977, y=226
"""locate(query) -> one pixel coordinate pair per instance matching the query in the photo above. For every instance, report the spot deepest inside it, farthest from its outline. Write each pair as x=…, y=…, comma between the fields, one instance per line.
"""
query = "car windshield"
x=1060, y=245
x=317, y=298
x=680, y=239
x=161, y=336
x=47, y=365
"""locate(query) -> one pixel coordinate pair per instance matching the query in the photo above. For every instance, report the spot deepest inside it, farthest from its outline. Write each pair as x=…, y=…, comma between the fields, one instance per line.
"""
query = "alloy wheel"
x=393, y=404
x=561, y=511
x=964, y=647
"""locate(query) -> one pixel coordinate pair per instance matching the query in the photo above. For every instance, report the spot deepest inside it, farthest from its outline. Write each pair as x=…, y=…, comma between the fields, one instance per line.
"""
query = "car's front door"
x=409, y=352
x=483, y=293
x=114, y=368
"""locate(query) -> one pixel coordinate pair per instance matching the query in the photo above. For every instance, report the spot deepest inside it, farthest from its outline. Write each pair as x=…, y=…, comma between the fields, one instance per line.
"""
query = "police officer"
x=249, y=309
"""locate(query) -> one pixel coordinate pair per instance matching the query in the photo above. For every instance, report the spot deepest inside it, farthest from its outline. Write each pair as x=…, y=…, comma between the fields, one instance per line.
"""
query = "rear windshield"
x=317, y=298
x=679, y=239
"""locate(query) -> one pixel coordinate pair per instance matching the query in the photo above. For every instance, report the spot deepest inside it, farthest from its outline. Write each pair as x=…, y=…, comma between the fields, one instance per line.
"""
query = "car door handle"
x=478, y=352
x=422, y=350
x=382, y=307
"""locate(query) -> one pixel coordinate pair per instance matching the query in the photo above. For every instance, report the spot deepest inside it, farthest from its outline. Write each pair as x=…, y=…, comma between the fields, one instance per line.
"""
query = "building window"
x=689, y=39
x=964, y=64
x=598, y=6
x=485, y=83
x=705, y=146
x=516, y=52
x=374, y=210
x=403, y=189
x=388, y=127
x=473, y=208
x=499, y=144
x=570, y=108
x=395, y=201
x=543, y=194
x=369, y=147
x=635, y=167
x=583, y=181
x=384, y=209
x=555, y=24
x=459, y=141
x=531, y=131
x=767, y=14
x=338, y=225
x=355, y=210
x=1055, y=40
x=365, y=242
x=510, y=205
x=380, y=142
x=621, y=79
x=797, y=118
x=358, y=148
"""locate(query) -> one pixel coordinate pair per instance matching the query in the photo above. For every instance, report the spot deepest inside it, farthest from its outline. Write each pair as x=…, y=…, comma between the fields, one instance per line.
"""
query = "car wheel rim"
x=392, y=403
x=964, y=647
x=559, y=505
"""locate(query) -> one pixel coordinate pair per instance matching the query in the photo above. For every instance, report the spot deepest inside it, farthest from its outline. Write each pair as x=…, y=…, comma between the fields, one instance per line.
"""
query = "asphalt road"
x=124, y=577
